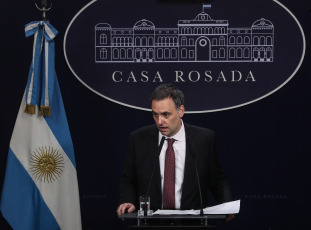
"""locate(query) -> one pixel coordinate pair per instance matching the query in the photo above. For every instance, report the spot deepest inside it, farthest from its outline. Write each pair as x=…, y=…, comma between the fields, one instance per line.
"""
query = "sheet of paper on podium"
x=232, y=207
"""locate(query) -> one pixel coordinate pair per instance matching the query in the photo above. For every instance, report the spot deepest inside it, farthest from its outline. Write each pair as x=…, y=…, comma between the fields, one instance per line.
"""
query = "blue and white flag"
x=40, y=189
x=206, y=7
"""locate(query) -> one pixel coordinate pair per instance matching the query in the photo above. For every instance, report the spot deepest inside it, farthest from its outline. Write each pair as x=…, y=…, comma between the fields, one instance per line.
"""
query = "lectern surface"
x=171, y=221
x=133, y=215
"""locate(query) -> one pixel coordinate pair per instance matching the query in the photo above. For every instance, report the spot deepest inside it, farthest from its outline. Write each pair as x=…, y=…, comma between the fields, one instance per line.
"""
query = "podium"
x=171, y=221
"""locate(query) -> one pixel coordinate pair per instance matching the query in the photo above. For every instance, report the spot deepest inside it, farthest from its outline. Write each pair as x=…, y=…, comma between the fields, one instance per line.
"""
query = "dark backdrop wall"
x=264, y=147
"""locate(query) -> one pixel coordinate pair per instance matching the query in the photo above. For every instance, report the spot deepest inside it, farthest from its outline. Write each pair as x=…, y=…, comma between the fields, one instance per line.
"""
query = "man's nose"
x=160, y=120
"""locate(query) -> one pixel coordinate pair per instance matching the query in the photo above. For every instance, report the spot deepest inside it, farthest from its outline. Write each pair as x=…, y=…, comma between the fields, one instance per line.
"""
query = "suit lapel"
x=189, y=171
x=154, y=157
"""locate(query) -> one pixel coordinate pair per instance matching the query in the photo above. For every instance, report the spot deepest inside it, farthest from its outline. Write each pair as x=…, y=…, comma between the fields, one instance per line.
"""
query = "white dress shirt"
x=180, y=156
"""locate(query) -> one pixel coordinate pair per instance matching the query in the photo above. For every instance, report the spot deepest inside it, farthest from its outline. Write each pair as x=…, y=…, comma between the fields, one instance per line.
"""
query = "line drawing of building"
x=199, y=40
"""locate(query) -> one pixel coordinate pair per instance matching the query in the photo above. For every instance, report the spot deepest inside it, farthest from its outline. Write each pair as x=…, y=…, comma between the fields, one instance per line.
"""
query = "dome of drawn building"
x=103, y=25
x=262, y=23
x=203, y=17
x=144, y=24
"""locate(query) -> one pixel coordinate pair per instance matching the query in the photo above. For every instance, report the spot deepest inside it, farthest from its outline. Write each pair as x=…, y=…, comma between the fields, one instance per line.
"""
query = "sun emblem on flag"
x=46, y=164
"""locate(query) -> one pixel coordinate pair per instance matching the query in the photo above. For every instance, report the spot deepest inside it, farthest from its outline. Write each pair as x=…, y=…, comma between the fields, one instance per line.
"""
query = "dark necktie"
x=169, y=177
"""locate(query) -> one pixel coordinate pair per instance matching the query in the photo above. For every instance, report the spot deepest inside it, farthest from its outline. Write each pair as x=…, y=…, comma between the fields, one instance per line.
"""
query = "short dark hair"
x=168, y=91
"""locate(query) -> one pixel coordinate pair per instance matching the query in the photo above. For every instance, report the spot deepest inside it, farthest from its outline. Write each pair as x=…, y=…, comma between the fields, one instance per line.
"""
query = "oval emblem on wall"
x=221, y=56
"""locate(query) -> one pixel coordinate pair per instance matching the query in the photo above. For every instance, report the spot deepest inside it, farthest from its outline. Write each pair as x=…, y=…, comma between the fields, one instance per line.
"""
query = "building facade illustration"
x=199, y=40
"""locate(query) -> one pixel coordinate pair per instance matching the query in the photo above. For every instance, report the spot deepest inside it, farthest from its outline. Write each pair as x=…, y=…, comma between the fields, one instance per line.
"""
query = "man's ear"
x=181, y=111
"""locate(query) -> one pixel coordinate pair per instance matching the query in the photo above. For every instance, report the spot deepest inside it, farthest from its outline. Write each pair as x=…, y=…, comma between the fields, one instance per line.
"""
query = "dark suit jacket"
x=142, y=156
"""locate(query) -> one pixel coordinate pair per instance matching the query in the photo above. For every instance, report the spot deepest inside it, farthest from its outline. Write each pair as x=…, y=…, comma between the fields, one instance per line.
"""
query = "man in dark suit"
x=174, y=183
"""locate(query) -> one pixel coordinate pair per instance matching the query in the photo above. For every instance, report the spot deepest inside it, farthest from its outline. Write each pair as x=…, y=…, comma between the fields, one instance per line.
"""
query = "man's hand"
x=229, y=217
x=126, y=206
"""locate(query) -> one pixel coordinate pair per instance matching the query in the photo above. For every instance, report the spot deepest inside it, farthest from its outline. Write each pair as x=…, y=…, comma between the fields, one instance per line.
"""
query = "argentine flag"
x=40, y=189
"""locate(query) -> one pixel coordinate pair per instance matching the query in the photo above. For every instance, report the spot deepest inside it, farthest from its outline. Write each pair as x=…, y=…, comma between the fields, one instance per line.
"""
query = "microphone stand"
x=157, y=156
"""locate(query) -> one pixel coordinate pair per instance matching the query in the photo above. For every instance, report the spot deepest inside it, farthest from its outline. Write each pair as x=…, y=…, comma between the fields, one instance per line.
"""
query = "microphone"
x=157, y=156
x=198, y=179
